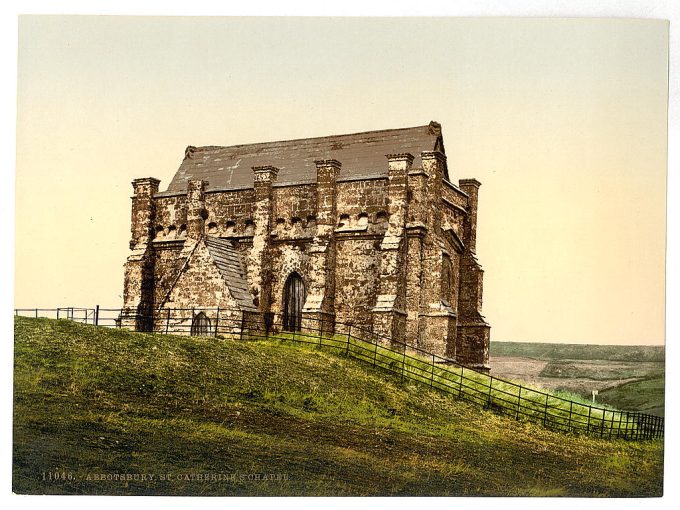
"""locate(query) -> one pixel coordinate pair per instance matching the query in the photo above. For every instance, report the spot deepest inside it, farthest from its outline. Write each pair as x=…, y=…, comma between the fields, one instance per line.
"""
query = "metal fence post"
x=375, y=354
x=571, y=406
x=432, y=376
x=403, y=364
x=96, y=316
x=349, y=335
x=488, y=397
x=217, y=321
x=545, y=411
x=590, y=411
x=519, y=400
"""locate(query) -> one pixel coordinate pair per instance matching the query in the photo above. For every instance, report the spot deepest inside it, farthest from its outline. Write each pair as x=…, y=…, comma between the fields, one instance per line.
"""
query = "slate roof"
x=228, y=262
x=361, y=154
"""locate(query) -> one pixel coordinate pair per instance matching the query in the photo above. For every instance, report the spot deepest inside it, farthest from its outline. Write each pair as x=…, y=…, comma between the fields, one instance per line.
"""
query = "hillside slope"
x=219, y=417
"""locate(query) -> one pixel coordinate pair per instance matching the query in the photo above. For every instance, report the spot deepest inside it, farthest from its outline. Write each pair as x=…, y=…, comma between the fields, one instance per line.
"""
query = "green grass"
x=554, y=351
x=90, y=401
x=646, y=395
x=560, y=410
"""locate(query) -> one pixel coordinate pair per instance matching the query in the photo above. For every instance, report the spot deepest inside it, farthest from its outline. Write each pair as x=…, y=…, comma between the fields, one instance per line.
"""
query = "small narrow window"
x=447, y=274
x=250, y=227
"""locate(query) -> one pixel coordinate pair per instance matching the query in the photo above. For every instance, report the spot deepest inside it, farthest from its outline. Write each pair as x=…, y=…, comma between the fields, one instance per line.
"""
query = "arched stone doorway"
x=293, y=300
x=200, y=325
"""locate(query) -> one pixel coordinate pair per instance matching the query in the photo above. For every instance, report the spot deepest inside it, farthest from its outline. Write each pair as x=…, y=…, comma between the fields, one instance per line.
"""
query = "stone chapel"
x=366, y=229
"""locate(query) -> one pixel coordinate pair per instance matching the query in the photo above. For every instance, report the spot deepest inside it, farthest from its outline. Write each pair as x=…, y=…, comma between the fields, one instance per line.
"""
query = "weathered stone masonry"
x=365, y=229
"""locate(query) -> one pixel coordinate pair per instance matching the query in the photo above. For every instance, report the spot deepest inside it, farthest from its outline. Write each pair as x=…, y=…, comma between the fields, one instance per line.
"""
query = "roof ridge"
x=362, y=154
x=328, y=137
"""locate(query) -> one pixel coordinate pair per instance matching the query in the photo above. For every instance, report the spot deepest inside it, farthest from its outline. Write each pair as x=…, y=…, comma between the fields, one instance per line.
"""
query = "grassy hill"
x=211, y=417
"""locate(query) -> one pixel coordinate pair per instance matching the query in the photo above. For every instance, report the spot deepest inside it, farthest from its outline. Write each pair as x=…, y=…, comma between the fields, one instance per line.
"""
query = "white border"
x=574, y=8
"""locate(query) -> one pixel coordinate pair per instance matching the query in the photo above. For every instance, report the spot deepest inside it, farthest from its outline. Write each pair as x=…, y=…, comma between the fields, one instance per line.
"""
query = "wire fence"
x=406, y=361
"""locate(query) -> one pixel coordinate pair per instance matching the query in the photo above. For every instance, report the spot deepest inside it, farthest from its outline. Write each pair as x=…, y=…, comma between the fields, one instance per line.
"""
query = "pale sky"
x=563, y=122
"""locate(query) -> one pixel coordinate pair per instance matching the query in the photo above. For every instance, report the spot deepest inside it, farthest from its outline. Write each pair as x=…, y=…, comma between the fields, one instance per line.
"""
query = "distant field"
x=550, y=351
x=627, y=377
x=603, y=370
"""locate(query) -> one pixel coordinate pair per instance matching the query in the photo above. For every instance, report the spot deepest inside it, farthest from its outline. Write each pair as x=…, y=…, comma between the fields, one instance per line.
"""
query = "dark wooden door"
x=293, y=300
x=201, y=325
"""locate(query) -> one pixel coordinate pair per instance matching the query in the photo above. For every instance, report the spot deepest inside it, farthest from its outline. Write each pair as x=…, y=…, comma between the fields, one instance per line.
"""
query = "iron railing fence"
x=401, y=359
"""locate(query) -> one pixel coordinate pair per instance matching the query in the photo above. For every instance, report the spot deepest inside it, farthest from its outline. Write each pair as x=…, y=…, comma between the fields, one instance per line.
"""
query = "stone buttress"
x=258, y=259
x=437, y=325
x=389, y=313
x=318, y=311
x=473, y=332
x=139, y=268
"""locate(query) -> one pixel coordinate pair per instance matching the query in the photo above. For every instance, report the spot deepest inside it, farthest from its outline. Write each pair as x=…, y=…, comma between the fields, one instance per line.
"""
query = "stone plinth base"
x=390, y=324
x=472, y=345
x=438, y=333
x=317, y=322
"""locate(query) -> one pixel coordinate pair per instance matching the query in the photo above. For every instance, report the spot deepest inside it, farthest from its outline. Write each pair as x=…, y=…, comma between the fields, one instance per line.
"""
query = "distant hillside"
x=271, y=418
x=553, y=351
